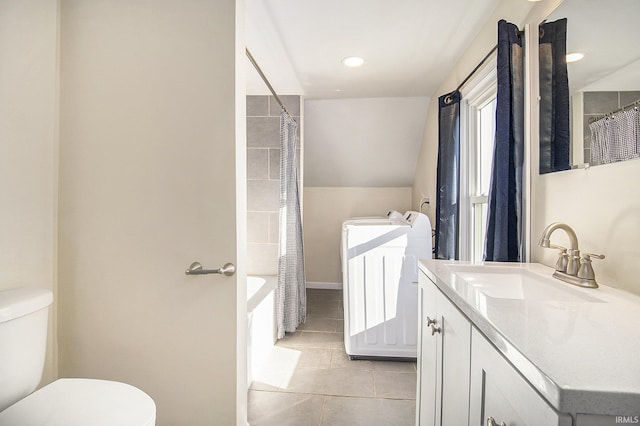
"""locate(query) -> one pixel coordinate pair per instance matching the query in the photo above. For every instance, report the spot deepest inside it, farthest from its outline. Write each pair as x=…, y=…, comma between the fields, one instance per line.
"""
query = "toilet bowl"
x=65, y=402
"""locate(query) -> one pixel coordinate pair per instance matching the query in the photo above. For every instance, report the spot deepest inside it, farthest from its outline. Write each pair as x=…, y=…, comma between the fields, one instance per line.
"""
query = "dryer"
x=380, y=284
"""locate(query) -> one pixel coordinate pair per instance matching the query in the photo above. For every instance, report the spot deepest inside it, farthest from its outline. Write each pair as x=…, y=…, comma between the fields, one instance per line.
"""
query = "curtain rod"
x=482, y=62
x=266, y=81
x=624, y=108
x=475, y=70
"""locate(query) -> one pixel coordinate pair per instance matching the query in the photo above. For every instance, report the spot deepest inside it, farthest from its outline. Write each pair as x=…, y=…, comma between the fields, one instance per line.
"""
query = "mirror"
x=600, y=84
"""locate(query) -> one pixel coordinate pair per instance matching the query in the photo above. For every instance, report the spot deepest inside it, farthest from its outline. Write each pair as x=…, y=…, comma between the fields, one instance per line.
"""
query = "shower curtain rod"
x=266, y=81
x=624, y=108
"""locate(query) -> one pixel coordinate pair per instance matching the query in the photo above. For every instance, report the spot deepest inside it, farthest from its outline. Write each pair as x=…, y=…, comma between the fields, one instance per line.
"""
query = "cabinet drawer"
x=500, y=392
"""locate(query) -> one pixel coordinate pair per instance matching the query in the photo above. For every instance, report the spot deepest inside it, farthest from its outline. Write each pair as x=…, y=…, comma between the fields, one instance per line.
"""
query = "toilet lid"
x=74, y=402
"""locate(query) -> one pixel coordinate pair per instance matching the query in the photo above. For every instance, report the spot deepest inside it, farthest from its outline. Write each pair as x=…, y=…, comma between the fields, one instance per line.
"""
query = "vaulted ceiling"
x=408, y=45
x=363, y=126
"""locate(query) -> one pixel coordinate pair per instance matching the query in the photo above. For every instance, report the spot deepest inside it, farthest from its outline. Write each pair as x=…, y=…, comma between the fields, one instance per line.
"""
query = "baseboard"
x=324, y=285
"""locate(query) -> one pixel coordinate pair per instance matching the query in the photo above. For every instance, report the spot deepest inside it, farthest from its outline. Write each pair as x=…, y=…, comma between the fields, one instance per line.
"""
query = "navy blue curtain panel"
x=448, y=177
x=555, y=143
x=504, y=221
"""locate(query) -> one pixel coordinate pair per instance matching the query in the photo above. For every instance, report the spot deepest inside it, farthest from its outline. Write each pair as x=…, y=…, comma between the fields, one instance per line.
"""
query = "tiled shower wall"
x=263, y=174
x=598, y=104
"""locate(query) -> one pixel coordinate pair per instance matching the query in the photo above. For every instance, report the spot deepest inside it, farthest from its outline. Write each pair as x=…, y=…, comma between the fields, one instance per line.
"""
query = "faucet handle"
x=563, y=258
x=586, y=270
x=587, y=256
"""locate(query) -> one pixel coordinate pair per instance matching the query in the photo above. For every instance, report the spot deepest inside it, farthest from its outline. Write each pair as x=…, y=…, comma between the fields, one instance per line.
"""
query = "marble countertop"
x=581, y=351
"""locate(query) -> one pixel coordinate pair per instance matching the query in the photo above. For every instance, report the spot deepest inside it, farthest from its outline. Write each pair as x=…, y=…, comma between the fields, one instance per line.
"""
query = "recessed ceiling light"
x=573, y=57
x=352, y=61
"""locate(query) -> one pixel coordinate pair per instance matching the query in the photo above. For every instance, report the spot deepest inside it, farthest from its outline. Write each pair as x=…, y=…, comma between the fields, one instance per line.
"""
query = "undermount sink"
x=515, y=282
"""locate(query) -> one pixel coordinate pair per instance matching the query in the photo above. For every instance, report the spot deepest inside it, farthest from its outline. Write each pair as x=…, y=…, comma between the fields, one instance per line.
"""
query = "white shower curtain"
x=615, y=138
x=291, y=306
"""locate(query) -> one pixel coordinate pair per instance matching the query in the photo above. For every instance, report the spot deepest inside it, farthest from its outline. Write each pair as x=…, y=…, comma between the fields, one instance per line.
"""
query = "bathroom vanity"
x=507, y=344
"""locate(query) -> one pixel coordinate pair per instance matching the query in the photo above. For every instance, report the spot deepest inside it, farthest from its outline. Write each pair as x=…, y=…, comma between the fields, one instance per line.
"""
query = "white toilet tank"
x=24, y=314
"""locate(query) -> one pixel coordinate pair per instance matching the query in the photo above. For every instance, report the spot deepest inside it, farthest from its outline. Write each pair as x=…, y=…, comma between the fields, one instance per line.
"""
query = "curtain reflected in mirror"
x=554, y=98
x=615, y=136
x=594, y=119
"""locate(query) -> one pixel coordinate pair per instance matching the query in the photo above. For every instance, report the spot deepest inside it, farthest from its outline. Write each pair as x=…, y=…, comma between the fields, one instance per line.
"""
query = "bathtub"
x=261, y=322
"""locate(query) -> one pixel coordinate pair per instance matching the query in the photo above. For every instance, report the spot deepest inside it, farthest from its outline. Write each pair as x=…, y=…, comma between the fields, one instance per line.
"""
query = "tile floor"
x=309, y=379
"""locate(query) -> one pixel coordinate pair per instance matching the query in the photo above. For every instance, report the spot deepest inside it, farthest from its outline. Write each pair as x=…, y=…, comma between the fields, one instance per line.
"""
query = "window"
x=478, y=120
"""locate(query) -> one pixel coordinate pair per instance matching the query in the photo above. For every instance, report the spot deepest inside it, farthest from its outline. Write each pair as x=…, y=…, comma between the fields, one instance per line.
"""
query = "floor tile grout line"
x=332, y=395
x=373, y=380
x=324, y=404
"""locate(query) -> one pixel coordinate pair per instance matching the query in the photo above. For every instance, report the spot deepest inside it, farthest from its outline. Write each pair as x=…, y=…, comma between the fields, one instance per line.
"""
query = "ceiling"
x=362, y=126
x=408, y=45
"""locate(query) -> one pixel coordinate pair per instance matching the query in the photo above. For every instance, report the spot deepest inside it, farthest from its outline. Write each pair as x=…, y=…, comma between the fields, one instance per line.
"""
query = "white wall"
x=326, y=208
x=600, y=203
x=363, y=142
x=28, y=151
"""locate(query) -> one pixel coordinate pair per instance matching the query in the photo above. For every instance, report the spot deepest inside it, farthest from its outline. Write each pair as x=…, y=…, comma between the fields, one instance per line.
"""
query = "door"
x=151, y=178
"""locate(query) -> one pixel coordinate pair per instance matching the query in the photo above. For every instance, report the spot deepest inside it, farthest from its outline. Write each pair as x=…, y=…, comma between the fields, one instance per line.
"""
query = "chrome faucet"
x=570, y=267
x=569, y=259
x=545, y=240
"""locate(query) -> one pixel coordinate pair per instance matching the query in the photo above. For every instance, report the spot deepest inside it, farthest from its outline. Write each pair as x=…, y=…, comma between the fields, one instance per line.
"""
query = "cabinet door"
x=428, y=353
x=456, y=363
x=498, y=391
x=443, y=360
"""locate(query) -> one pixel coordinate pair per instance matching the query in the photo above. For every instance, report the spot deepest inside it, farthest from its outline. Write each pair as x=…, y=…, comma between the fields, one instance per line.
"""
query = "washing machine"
x=380, y=284
x=391, y=215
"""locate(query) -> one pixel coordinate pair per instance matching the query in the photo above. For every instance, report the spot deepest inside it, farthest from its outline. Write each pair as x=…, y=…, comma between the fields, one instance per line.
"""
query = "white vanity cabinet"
x=500, y=393
x=463, y=379
x=495, y=356
x=444, y=350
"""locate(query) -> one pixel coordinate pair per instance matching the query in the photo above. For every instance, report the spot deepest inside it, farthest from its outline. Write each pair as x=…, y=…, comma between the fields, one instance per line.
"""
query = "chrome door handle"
x=196, y=268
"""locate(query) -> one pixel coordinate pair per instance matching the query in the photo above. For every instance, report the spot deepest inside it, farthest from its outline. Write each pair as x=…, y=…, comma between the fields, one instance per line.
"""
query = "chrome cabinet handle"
x=435, y=329
x=196, y=268
x=434, y=326
x=492, y=422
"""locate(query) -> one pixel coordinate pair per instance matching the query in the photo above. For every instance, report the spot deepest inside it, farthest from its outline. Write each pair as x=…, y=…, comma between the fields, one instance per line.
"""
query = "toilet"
x=24, y=315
